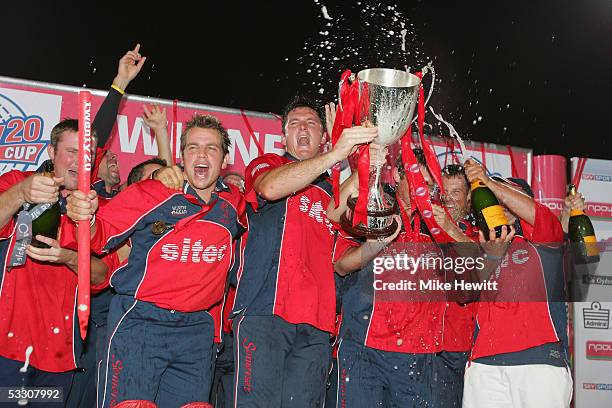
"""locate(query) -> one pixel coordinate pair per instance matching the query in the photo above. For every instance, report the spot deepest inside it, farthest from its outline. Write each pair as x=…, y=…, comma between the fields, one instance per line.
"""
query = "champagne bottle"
x=48, y=222
x=582, y=235
x=489, y=214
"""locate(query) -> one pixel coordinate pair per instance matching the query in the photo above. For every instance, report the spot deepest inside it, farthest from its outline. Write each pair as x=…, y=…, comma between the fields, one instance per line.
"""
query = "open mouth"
x=303, y=141
x=201, y=170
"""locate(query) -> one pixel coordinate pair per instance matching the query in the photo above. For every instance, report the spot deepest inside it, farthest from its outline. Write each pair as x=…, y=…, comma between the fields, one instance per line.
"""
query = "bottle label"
x=591, y=245
x=23, y=237
x=494, y=215
x=39, y=209
x=576, y=212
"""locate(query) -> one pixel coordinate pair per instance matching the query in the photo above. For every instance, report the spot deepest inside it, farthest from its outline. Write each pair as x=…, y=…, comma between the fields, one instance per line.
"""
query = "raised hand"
x=474, y=171
x=351, y=138
x=129, y=66
x=576, y=202
x=442, y=218
x=155, y=117
x=330, y=117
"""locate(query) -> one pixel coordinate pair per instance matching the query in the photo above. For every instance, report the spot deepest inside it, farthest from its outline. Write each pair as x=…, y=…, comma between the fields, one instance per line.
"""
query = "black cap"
x=517, y=182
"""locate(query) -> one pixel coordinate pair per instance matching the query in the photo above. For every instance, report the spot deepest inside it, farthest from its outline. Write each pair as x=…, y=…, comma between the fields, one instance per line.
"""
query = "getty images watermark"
x=424, y=271
x=463, y=272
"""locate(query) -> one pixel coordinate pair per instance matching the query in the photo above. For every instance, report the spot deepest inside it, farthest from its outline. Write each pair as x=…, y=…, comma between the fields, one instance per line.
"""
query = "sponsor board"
x=599, y=350
x=596, y=317
x=597, y=387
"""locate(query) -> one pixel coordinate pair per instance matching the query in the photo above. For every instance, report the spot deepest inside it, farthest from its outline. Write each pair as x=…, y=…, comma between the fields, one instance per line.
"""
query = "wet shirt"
x=182, y=248
x=403, y=322
x=533, y=329
x=37, y=301
x=288, y=269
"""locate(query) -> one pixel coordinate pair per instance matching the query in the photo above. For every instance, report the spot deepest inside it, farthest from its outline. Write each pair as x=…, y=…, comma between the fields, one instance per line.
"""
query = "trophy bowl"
x=387, y=98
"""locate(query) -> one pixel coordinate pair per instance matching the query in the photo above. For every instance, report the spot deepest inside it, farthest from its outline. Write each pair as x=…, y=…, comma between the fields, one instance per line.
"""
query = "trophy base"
x=361, y=230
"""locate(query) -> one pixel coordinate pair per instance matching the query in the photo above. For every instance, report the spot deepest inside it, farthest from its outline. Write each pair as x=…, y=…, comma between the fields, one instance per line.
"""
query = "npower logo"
x=599, y=350
x=20, y=134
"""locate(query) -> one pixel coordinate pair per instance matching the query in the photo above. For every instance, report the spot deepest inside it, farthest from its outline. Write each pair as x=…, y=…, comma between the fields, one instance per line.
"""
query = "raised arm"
x=129, y=67
x=155, y=118
x=289, y=178
x=571, y=202
x=519, y=203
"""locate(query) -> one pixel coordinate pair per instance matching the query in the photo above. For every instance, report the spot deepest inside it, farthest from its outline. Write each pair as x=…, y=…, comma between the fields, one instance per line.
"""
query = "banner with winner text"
x=30, y=109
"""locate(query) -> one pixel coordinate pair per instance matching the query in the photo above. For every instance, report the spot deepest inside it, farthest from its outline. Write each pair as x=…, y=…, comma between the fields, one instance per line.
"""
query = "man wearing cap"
x=520, y=354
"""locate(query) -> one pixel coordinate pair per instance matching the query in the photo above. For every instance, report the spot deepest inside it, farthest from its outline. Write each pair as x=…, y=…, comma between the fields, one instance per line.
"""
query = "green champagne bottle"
x=48, y=222
x=582, y=235
x=489, y=214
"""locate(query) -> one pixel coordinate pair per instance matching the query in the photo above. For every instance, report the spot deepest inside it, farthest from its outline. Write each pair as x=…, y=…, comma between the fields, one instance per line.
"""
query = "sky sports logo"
x=597, y=387
x=596, y=177
x=599, y=350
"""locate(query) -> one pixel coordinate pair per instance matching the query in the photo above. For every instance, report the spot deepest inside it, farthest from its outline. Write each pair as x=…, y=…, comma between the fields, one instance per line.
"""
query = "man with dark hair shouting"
x=285, y=302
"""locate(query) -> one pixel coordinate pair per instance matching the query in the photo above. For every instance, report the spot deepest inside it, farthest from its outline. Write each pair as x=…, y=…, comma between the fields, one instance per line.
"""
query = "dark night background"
x=536, y=72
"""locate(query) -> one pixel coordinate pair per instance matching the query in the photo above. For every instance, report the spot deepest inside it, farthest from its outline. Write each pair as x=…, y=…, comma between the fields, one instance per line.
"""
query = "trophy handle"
x=425, y=70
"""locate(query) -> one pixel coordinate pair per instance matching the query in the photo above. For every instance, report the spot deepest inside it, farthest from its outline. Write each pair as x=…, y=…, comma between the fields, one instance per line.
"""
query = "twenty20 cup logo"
x=21, y=143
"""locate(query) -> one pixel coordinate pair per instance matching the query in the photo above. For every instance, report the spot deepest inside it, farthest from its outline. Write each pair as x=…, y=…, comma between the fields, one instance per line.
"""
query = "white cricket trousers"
x=523, y=386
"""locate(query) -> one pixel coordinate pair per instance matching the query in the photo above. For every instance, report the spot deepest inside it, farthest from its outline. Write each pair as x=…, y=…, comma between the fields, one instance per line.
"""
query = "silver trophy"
x=387, y=98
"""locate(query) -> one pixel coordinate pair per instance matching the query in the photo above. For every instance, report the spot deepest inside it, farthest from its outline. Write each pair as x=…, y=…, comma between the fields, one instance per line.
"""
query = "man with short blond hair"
x=160, y=344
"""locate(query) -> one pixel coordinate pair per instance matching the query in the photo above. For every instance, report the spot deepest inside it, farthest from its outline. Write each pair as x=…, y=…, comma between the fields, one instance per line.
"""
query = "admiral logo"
x=193, y=252
x=178, y=210
x=599, y=350
x=595, y=317
x=20, y=134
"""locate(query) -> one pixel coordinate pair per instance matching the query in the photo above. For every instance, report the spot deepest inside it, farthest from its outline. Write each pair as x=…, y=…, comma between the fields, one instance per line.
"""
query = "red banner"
x=29, y=110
